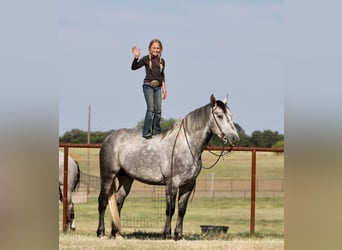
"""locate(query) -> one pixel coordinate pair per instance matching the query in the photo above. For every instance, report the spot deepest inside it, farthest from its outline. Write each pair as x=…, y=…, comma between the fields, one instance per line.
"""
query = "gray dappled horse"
x=73, y=182
x=172, y=159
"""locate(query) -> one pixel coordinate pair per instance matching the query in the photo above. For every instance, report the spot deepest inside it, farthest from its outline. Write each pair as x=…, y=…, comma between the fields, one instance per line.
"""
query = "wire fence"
x=226, y=189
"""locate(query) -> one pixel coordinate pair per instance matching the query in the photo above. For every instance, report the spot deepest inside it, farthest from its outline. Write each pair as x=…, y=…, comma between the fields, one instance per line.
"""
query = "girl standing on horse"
x=154, y=86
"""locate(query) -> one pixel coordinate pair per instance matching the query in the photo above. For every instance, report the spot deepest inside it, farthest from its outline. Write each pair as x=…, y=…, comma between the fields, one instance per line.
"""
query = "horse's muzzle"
x=231, y=141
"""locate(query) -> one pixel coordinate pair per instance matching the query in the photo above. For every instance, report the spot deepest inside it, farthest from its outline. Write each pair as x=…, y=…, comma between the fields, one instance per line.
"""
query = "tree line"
x=266, y=138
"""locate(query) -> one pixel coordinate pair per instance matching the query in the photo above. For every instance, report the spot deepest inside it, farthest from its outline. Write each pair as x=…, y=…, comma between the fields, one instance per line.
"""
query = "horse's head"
x=221, y=122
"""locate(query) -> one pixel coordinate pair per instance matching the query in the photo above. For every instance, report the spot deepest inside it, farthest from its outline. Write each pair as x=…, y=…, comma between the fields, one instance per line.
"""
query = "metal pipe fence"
x=213, y=187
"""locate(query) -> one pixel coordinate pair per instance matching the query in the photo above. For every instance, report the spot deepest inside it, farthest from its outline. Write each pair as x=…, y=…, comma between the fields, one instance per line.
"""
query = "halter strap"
x=217, y=124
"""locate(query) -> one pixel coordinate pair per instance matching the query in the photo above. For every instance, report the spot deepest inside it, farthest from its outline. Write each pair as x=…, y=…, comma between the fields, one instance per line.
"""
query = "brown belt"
x=153, y=83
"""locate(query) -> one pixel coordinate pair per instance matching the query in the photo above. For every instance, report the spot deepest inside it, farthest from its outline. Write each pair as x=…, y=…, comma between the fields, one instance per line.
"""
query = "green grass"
x=139, y=215
x=143, y=218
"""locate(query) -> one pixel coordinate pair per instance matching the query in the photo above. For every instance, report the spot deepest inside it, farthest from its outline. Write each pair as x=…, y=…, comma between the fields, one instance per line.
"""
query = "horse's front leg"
x=184, y=194
x=171, y=193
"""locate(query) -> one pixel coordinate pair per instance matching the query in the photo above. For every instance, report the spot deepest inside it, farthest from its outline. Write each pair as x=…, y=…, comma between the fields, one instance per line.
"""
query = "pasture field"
x=233, y=212
x=236, y=164
x=143, y=216
x=143, y=213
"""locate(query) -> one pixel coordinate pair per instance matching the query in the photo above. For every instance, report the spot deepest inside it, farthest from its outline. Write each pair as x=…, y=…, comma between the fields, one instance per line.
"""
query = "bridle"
x=192, y=154
x=222, y=134
x=217, y=124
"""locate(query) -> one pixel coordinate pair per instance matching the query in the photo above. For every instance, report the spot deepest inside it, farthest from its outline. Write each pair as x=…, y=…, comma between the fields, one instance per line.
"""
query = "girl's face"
x=155, y=49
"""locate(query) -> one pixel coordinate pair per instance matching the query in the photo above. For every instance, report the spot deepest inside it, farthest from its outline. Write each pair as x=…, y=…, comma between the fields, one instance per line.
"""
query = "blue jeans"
x=153, y=113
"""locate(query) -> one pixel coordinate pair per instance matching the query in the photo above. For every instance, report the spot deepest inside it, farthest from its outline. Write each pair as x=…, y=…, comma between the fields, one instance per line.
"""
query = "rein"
x=187, y=141
x=193, y=157
x=219, y=157
x=172, y=158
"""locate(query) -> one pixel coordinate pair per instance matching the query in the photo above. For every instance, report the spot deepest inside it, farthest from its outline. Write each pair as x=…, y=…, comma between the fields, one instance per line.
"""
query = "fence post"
x=65, y=190
x=253, y=192
x=88, y=171
x=212, y=185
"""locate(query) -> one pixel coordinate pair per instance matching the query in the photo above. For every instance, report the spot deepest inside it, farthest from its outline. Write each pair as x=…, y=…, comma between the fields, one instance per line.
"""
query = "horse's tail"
x=193, y=191
x=60, y=194
x=114, y=211
x=77, y=182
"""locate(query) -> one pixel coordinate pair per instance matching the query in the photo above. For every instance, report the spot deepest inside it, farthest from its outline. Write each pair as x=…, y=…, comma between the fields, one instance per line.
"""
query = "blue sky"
x=261, y=53
x=210, y=47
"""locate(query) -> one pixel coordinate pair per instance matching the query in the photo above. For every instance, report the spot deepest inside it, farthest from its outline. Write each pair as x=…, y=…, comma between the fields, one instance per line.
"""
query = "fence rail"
x=252, y=183
x=213, y=187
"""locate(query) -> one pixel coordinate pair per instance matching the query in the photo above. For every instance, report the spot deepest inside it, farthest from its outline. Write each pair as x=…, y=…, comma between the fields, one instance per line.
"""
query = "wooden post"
x=212, y=185
x=253, y=192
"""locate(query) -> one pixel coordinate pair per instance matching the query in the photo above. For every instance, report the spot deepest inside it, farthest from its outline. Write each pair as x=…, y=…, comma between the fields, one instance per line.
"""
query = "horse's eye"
x=220, y=116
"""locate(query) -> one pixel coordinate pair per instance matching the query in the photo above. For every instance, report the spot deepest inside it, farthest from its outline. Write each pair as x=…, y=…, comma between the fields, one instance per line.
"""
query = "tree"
x=279, y=144
x=79, y=136
x=74, y=136
x=164, y=124
x=244, y=139
x=265, y=139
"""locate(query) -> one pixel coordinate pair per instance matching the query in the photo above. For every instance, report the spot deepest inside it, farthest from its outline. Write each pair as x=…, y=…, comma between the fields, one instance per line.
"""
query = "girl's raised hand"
x=136, y=52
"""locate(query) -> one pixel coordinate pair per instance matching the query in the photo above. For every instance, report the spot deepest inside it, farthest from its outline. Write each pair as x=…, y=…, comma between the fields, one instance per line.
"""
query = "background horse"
x=172, y=159
x=73, y=182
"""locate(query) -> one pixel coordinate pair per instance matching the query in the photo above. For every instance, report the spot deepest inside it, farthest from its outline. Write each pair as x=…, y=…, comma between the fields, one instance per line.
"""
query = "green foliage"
x=164, y=124
x=244, y=139
x=266, y=138
x=79, y=136
x=279, y=144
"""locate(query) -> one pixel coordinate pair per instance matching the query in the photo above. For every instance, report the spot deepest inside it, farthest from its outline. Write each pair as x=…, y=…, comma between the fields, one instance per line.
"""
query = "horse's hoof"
x=168, y=237
x=120, y=236
x=178, y=236
x=100, y=234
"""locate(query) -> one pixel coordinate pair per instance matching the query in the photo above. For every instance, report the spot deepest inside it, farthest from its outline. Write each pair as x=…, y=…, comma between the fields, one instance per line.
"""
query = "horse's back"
x=140, y=158
x=73, y=170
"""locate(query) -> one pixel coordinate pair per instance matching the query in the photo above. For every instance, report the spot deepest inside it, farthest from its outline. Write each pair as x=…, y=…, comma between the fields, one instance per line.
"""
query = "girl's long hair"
x=160, y=56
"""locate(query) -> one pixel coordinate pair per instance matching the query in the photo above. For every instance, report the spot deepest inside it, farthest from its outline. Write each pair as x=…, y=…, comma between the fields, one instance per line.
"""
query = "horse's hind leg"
x=171, y=193
x=183, y=197
x=70, y=208
x=72, y=217
x=125, y=184
x=107, y=189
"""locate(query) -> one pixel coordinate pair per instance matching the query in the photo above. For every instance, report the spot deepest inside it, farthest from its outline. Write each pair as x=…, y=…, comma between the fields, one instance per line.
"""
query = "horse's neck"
x=197, y=135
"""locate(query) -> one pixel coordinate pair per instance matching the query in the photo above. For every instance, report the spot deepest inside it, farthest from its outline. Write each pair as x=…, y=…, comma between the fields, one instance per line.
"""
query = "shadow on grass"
x=159, y=236
x=202, y=236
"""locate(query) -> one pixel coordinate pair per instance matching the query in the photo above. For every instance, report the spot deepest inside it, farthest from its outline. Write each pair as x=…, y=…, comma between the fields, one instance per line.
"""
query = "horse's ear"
x=212, y=100
x=225, y=101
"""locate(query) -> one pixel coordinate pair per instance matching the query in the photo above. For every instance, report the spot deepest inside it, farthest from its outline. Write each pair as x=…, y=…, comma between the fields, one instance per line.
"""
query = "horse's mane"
x=176, y=125
x=193, y=118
